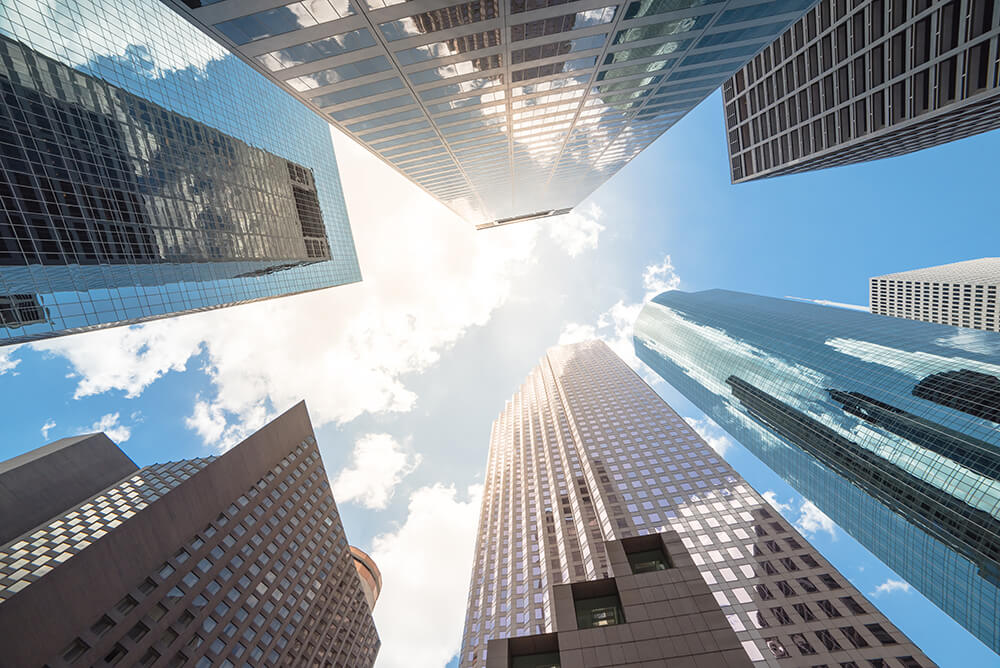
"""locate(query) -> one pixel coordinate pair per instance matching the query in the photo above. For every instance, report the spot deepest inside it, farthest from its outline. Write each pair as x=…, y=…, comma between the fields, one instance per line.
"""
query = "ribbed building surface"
x=869, y=79
x=235, y=560
x=586, y=454
x=501, y=109
x=963, y=294
x=889, y=426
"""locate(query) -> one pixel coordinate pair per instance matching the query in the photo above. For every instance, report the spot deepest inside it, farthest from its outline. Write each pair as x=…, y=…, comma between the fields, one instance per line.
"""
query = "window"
x=852, y=605
x=881, y=634
x=545, y=660
x=782, y=616
x=828, y=640
x=852, y=634
x=599, y=611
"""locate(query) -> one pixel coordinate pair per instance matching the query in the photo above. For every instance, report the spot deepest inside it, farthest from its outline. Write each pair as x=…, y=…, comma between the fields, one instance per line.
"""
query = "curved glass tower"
x=837, y=403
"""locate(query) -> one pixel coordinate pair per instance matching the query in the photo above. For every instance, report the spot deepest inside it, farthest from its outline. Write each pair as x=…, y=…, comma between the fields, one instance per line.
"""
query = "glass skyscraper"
x=141, y=177
x=504, y=111
x=599, y=497
x=889, y=426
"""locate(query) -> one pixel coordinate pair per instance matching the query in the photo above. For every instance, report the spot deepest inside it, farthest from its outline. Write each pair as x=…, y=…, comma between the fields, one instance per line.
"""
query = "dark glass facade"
x=234, y=560
x=829, y=399
x=141, y=178
x=869, y=79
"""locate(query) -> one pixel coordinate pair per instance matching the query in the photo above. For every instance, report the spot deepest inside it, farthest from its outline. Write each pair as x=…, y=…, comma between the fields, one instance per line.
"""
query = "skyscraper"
x=888, y=425
x=230, y=560
x=141, y=178
x=601, y=501
x=504, y=111
x=871, y=79
x=963, y=294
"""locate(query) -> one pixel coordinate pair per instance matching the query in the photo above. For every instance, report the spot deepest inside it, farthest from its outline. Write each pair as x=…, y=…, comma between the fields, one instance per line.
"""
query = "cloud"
x=971, y=341
x=578, y=230
x=111, y=427
x=771, y=497
x=127, y=359
x=711, y=433
x=429, y=277
x=812, y=520
x=436, y=541
x=6, y=362
x=378, y=463
x=614, y=326
x=890, y=586
x=47, y=427
x=826, y=302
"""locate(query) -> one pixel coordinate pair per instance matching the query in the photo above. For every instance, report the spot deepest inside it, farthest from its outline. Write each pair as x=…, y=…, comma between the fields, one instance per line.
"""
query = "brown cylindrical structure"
x=371, y=577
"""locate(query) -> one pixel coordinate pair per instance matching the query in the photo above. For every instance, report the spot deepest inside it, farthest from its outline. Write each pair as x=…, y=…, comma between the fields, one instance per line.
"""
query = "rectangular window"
x=598, y=611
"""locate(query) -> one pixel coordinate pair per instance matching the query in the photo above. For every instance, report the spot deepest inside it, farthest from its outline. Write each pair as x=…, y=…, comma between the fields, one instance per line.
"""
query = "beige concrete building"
x=611, y=534
x=963, y=294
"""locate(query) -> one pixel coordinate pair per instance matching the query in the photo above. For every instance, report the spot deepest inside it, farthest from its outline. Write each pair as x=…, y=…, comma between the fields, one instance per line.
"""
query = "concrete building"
x=888, y=425
x=132, y=188
x=963, y=294
x=870, y=79
x=503, y=111
x=611, y=534
x=239, y=559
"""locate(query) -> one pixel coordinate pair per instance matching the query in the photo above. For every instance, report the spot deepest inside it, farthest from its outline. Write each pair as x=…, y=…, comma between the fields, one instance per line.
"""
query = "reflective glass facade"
x=884, y=423
x=500, y=109
x=586, y=453
x=141, y=178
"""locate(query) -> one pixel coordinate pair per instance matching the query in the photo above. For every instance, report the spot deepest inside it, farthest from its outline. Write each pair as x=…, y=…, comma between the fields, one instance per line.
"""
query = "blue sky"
x=405, y=372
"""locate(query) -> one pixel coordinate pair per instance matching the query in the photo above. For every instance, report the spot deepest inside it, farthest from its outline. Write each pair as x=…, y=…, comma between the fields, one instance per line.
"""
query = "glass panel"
x=357, y=92
x=332, y=75
x=321, y=48
x=280, y=20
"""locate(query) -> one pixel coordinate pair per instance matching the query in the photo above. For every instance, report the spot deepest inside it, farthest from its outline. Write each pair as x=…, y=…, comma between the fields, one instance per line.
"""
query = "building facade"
x=596, y=490
x=889, y=426
x=239, y=559
x=963, y=294
x=504, y=111
x=851, y=82
x=140, y=177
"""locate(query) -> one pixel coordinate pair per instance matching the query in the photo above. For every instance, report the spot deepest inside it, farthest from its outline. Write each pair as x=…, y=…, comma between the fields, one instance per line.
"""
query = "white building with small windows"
x=963, y=294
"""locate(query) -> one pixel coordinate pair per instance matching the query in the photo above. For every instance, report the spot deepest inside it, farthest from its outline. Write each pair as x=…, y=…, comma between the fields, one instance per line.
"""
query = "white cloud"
x=127, y=358
x=614, y=326
x=428, y=278
x=575, y=333
x=972, y=341
x=771, y=497
x=112, y=428
x=578, y=230
x=890, y=586
x=420, y=618
x=812, y=520
x=47, y=427
x=6, y=362
x=827, y=302
x=378, y=463
x=711, y=433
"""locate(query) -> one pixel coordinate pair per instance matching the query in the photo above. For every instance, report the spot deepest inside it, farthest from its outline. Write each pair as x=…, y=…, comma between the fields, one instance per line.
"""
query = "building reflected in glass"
x=503, y=111
x=139, y=179
x=880, y=421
